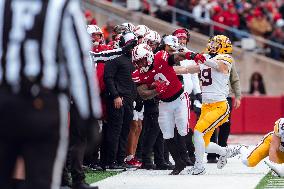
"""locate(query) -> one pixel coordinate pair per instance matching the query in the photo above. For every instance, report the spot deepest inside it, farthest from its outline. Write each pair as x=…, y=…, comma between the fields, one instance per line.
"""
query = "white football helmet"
x=140, y=52
x=95, y=30
x=152, y=36
x=129, y=25
x=172, y=41
x=141, y=30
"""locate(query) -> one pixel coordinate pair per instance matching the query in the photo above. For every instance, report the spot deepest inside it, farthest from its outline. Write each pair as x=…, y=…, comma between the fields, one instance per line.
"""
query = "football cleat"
x=148, y=166
x=276, y=168
x=222, y=161
x=197, y=170
x=164, y=166
x=230, y=152
x=134, y=162
x=178, y=169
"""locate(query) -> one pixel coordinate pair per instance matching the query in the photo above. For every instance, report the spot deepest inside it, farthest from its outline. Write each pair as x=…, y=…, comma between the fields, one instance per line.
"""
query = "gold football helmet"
x=219, y=44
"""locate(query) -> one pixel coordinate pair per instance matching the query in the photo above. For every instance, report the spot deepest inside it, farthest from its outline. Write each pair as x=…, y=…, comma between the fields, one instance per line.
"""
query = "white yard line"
x=233, y=176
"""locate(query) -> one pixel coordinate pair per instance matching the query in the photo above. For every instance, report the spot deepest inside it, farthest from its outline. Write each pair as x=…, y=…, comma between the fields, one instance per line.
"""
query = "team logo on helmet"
x=220, y=44
x=142, y=57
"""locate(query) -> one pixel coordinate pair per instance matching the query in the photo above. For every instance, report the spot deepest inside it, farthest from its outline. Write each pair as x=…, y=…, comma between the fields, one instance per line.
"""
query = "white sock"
x=129, y=157
x=244, y=155
x=215, y=148
x=199, y=148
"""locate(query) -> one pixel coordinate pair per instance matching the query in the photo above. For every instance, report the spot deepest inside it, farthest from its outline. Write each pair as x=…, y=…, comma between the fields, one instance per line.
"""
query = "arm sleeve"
x=76, y=45
x=109, y=77
x=235, y=82
x=105, y=55
x=171, y=60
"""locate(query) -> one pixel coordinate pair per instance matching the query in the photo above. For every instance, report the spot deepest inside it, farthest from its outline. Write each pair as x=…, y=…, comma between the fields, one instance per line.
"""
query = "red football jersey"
x=101, y=66
x=161, y=71
x=101, y=47
x=100, y=76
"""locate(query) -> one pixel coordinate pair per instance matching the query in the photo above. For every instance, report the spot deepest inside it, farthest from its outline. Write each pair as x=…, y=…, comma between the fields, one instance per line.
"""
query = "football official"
x=44, y=54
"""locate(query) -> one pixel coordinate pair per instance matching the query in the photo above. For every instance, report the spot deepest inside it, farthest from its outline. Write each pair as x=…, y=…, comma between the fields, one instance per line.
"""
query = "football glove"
x=159, y=86
x=195, y=56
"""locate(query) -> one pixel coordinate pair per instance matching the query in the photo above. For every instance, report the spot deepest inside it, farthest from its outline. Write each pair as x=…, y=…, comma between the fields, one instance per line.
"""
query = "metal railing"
x=175, y=11
x=113, y=16
x=213, y=24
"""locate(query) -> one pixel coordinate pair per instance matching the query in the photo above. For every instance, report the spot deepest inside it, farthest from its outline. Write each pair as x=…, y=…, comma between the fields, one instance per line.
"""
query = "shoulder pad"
x=225, y=58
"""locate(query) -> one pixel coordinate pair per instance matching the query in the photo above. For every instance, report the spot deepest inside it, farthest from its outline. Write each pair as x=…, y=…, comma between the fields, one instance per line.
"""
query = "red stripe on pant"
x=188, y=110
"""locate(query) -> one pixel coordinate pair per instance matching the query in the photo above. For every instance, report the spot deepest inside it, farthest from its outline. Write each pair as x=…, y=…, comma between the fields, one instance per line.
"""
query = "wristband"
x=190, y=55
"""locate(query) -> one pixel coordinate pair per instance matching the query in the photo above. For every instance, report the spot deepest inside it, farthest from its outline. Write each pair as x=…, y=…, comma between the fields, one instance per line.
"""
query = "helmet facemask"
x=142, y=58
x=97, y=38
x=214, y=46
x=220, y=44
x=143, y=64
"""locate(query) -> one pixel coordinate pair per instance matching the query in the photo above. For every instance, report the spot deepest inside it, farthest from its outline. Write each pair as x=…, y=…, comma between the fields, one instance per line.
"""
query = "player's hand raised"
x=197, y=57
x=159, y=86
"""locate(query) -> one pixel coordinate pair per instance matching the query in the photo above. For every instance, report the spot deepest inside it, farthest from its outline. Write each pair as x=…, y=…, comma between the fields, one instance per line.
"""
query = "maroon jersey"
x=161, y=70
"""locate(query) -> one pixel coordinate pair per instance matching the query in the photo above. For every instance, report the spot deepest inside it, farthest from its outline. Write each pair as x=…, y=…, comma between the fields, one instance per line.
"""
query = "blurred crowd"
x=263, y=18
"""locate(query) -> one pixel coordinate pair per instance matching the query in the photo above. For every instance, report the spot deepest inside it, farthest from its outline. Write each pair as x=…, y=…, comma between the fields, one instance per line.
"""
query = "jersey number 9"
x=205, y=77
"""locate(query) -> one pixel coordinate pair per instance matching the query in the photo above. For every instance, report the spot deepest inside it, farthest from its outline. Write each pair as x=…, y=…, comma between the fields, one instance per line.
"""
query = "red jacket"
x=232, y=19
x=220, y=19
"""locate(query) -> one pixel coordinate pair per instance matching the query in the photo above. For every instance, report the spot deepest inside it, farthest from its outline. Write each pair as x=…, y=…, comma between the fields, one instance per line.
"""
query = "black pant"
x=78, y=144
x=118, y=129
x=223, y=134
x=83, y=134
x=36, y=129
x=182, y=147
x=103, y=149
x=189, y=143
x=152, y=140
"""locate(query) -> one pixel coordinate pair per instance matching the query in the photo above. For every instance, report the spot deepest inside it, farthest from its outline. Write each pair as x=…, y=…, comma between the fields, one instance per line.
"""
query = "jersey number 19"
x=205, y=77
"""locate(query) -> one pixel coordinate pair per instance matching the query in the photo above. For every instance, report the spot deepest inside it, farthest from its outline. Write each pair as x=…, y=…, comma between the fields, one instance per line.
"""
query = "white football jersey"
x=214, y=84
x=190, y=81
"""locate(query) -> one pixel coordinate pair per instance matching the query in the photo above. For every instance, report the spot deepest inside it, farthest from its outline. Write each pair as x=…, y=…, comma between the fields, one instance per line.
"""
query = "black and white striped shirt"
x=44, y=45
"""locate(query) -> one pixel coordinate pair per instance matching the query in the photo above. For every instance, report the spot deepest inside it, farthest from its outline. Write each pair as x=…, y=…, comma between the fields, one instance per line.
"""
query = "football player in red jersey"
x=98, y=46
x=152, y=38
x=157, y=76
